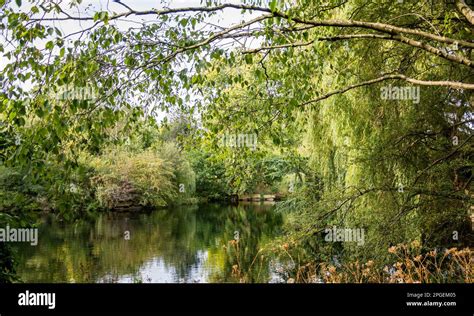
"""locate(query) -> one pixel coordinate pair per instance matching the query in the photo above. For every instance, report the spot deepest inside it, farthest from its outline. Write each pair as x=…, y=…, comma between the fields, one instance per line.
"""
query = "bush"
x=16, y=193
x=211, y=179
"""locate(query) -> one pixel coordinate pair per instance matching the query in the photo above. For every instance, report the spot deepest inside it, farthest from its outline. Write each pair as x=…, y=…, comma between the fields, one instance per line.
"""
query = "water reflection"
x=185, y=244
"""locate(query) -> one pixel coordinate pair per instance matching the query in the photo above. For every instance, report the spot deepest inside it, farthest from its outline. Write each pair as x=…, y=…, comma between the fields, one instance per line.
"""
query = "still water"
x=184, y=244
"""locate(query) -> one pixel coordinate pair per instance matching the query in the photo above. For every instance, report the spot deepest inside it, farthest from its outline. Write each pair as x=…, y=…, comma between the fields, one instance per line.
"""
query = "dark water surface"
x=183, y=244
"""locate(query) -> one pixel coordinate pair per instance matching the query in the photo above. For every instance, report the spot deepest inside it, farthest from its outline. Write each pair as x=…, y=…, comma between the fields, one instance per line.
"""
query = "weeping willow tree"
x=400, y=167
x=377, y=94
x=393, y=157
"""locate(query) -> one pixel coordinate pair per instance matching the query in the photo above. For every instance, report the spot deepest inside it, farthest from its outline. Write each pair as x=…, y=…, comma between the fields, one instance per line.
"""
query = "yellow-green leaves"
x=273, y=5
x=101, y=16
x=248, y=58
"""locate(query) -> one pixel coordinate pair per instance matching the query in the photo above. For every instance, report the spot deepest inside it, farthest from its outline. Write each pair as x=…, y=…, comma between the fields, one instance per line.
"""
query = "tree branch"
x=442, y=159
x=166, y=11
x=464, y=9
x=428, y=48
x=376, y=26
x=214, y=37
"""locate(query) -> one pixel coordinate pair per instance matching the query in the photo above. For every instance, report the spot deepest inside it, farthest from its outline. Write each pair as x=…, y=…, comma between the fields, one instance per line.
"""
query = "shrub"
x=17, y=193
x=124, y=180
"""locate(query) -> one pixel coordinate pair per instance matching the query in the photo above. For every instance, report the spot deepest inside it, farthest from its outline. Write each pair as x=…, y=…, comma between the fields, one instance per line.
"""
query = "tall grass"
x=409, y=266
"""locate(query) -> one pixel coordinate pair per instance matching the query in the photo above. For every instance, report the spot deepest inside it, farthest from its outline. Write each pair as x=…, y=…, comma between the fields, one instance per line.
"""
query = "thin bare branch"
x=449, y=84
x=438, y=52
x=376, y=26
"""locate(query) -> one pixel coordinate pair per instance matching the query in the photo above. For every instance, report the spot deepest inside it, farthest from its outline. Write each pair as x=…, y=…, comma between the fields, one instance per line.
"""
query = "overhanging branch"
x=428, y=48
x=449, y=84
x=376, y=26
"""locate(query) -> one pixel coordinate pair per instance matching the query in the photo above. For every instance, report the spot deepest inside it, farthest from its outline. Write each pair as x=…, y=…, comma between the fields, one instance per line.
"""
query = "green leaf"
x=305, y=36
x=12, y=115
x=129, y=61
x=104, y=16
x=18, y=2
x=248, y=58
x=49, y=45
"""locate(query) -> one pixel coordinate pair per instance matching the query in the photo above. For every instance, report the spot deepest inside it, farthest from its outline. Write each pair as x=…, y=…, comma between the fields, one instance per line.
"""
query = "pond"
x=186, y=244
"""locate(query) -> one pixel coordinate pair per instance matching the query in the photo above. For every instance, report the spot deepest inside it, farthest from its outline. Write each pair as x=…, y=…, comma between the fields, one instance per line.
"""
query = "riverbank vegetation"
x=359, y=114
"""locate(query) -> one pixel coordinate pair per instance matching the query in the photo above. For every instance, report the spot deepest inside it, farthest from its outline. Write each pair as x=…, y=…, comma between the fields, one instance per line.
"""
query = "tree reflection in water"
x=183, y=244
